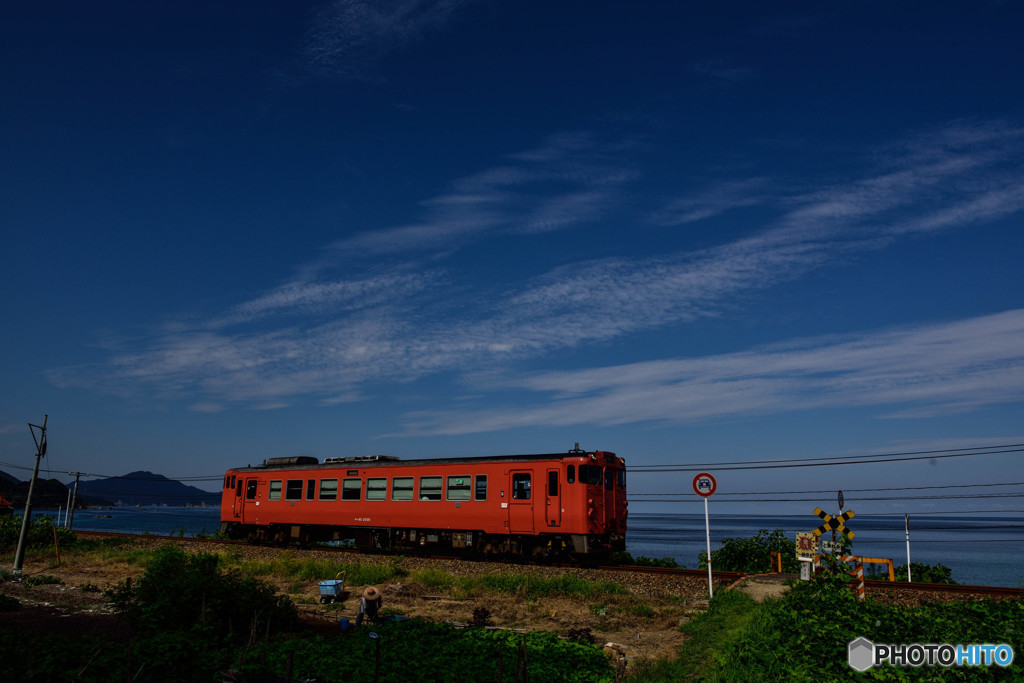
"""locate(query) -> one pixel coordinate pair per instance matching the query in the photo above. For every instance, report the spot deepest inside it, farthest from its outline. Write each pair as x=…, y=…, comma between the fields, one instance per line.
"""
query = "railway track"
x=719, y=577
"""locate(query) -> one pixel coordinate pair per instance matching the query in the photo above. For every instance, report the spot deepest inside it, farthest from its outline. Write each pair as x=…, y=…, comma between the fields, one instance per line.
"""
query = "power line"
x=838, y=460
x=216, y=477
x=780, y=493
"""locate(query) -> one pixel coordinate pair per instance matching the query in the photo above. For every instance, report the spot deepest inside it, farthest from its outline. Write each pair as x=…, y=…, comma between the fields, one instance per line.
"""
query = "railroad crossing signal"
x=834, y=523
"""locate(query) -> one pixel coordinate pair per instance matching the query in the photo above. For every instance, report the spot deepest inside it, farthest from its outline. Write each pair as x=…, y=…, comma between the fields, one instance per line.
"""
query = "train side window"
x=609, y=479
x=352, y=489
x=239, y=491
x=480, y=493
x=328, y=489
x=377, y=488
x=275, y=490
x=310, y=489
x=570, y=474
x=430, y=488
x=458, y=487
x=521, y=486
x=622, y=478
x=553, y=483
x=401, y=488
x=293, y=489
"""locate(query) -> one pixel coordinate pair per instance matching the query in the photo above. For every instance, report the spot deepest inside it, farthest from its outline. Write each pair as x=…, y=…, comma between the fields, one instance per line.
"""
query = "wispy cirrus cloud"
x=354, y=320
x=348, y=38
x=569, y=180
x=933, y=369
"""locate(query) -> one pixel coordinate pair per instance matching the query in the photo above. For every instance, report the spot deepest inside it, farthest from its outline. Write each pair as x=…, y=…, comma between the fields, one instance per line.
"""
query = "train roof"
x=309, y=462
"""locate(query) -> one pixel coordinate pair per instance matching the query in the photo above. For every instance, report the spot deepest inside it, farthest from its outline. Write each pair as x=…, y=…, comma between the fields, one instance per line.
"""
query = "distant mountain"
x=48, y=494
x=147, y=488
x=135, y=488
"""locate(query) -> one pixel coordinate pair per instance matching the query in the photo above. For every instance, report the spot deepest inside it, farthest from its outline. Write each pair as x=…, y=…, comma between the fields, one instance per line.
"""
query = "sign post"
x=906, y=517
x=704, y=485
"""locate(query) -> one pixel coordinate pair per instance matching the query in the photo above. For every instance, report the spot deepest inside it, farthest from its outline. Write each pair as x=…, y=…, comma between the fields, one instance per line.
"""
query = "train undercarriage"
x=549, y=547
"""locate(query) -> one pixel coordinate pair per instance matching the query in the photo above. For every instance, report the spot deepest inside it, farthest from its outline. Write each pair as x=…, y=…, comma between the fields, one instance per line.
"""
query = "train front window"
x=328, y=489
x=401, y=488
x=293, y=490
x=430, y=488
x=590, y=474
x=521, y=486
x=273, y=494
x=480, y=493
x=609, y=479
x=458, y=487
x=377, y=488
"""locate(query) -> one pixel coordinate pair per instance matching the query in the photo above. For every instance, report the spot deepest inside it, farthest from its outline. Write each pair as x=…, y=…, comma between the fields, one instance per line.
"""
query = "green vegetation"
x=41, y=530
x=193, y=615
x=752, y=554
x=189, y=592
x=418, y=650
x=641, y=561
x=710, y=632
x=285, y=564
x=926, y=573
x=804, y=637
x=523, y=586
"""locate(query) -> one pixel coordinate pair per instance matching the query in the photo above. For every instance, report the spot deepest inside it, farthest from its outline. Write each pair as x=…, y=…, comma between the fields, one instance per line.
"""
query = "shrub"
x=182, y=592
x=926, y=573
x=40, y=532
x=752, y=554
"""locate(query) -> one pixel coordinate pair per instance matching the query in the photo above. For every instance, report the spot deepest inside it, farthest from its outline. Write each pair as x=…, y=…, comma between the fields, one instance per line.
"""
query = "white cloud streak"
x=339, y=330
x=935, y=369
x=348, y=38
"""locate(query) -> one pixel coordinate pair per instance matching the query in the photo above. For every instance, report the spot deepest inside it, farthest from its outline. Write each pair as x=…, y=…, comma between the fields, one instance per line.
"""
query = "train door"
x=237, y=487
x=553, y=509
x=250, y=503
x=520, y=507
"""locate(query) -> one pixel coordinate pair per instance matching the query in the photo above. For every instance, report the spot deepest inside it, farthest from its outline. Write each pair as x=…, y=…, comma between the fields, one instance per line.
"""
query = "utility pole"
x=19, y=556
x=74, y=497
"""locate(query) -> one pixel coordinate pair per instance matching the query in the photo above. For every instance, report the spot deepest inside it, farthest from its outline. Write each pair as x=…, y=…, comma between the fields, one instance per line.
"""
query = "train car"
x=550, y=505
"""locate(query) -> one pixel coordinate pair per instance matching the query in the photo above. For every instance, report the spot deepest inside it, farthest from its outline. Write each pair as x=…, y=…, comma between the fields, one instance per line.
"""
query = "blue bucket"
x=343, y=623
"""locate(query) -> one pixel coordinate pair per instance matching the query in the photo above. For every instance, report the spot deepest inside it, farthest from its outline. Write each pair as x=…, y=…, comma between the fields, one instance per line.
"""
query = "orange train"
x=563, y=504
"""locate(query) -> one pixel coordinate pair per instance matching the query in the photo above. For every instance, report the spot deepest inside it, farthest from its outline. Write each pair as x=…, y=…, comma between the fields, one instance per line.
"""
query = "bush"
x=805, y=635
x=925, y=573
x=752, y=554
x=40, y=532
x=183, y=592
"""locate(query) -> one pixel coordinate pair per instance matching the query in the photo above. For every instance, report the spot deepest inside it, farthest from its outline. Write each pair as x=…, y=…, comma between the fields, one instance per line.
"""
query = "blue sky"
x=689, y=233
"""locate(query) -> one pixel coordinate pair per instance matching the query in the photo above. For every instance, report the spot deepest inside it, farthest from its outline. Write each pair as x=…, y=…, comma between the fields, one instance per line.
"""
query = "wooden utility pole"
x=19, y=556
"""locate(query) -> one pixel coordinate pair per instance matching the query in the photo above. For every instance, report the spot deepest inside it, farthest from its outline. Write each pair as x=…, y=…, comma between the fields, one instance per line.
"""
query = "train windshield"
x=590, y=474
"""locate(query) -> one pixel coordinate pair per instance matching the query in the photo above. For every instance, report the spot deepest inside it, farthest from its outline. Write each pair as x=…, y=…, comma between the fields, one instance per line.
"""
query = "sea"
x=979, y=550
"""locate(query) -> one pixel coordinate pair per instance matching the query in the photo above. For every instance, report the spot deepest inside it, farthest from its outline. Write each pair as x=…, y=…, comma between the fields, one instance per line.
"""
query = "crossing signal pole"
x=19, y=556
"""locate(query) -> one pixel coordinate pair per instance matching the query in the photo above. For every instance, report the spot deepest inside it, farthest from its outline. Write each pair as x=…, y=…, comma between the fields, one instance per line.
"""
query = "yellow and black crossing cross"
x=835, y=523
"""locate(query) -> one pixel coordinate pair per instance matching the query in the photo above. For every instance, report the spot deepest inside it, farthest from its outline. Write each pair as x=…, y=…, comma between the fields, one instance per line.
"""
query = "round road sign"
x=704, y=484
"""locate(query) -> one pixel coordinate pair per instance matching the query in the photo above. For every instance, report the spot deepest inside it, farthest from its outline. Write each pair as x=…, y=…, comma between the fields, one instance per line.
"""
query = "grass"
x=726, y=617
